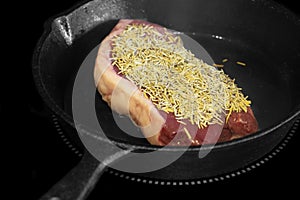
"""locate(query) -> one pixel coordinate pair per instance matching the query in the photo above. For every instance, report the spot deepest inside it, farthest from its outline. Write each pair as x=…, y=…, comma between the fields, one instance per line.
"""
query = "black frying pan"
x=261, y=33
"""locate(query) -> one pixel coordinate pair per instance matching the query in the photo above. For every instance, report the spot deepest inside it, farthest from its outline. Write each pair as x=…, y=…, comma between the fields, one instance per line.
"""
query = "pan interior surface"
x=265, y=38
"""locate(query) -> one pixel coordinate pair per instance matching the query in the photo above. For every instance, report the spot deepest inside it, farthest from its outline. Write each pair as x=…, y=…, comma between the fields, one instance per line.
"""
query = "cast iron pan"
x=260, y=33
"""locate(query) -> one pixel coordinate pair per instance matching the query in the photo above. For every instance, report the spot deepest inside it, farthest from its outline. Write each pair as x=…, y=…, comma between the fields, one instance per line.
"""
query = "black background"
x=50, y=158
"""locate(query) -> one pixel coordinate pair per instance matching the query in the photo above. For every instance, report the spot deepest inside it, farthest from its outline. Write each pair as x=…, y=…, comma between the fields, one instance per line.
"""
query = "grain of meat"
x=172, y=95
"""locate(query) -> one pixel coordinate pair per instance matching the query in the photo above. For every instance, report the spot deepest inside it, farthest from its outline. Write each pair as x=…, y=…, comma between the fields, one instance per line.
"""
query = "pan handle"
x=81, y=180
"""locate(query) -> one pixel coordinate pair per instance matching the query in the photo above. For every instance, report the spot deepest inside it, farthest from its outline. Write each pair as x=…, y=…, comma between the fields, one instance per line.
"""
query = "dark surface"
x=52, y=158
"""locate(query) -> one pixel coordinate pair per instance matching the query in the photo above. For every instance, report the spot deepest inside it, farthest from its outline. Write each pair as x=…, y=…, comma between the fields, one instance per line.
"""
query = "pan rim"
x=50, y=102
